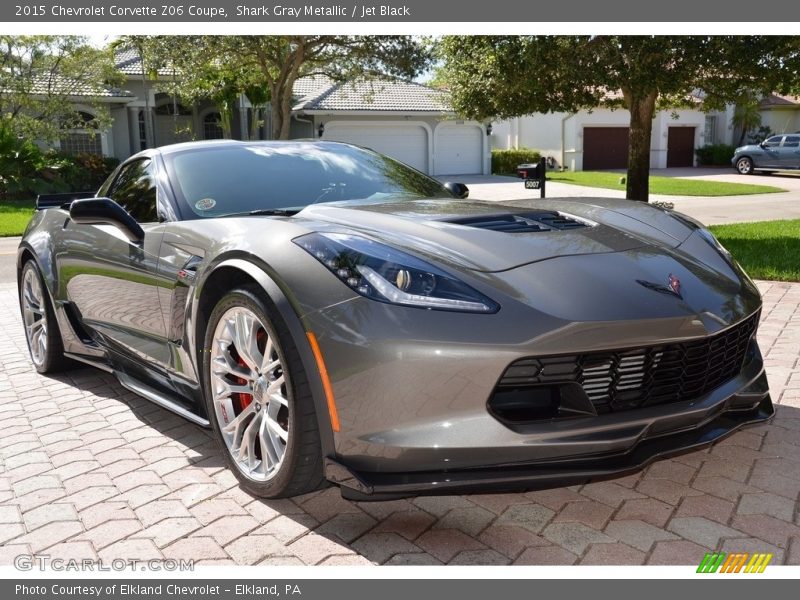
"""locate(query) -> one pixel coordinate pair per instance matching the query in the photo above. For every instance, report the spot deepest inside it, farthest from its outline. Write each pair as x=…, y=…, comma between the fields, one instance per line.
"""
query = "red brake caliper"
x=245, y=399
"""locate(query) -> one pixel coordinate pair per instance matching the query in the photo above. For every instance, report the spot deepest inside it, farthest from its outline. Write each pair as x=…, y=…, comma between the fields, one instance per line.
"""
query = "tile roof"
x=779, y=100
x=128, y=61
x=57, y=84
x=375, y=95
x=309, y=87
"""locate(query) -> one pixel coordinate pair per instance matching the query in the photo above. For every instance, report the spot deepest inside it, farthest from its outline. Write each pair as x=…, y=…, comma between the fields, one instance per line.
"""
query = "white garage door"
x=459, y=150
x=405, y=142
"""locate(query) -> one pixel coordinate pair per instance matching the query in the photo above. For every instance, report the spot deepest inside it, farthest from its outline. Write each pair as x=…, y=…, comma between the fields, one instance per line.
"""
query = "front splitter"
x=365, y=486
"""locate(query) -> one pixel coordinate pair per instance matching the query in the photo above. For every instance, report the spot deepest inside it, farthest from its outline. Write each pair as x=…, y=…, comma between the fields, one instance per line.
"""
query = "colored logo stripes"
x=734, y=563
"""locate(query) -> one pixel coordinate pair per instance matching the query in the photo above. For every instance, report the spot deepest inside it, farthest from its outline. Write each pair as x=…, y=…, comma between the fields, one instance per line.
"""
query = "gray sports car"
x=336, y=316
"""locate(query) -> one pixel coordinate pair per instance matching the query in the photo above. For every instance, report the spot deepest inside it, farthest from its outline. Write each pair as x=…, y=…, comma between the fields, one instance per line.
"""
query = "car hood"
x=465, y=233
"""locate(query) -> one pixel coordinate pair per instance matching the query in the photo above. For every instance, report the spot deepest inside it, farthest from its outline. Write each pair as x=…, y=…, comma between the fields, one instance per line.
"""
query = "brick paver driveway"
x=90, y=470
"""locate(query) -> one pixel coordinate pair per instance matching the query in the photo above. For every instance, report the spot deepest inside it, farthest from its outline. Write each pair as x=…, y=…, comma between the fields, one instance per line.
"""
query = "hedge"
x=504, y=162
x=715, y=154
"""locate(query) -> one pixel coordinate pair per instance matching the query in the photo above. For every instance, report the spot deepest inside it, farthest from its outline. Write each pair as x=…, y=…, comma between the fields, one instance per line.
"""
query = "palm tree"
x=747, y=115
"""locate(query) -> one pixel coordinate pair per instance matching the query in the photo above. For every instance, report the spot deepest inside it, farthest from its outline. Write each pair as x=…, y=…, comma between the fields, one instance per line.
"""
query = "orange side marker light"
x=326, y=382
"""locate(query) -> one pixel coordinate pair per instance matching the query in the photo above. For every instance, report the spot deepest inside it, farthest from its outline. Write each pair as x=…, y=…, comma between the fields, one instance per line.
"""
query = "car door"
x=113, y=282
x=790, y=152
x=772, y=155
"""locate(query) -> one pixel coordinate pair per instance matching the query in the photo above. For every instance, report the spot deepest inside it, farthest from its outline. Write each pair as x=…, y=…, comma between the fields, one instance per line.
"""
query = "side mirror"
x=104, y=211
x=458, y=190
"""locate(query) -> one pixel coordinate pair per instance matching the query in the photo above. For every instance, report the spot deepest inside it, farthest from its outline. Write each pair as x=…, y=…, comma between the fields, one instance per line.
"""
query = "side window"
x=791, y=141
x=774, y=141
x=135, y=190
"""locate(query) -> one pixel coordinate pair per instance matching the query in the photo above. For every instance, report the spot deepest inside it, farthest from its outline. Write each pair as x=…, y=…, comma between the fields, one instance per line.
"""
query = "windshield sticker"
x=205, y=204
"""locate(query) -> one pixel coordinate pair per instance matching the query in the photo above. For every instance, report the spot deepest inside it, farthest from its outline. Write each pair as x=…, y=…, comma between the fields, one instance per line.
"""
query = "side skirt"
x=157, y=397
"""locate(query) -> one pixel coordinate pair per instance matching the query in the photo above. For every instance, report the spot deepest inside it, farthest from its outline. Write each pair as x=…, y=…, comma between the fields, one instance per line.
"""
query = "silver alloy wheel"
x=249, y=393
x=34, y=315
x=744, y=166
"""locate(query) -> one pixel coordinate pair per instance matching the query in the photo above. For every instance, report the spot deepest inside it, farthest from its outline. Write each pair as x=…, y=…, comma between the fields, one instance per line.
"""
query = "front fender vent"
x=527, y=222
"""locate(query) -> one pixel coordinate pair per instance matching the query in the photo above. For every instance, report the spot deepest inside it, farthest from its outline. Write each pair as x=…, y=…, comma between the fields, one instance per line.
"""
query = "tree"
x=746, y=115
x=509, y=76
x=215, y=66
x=40, y=76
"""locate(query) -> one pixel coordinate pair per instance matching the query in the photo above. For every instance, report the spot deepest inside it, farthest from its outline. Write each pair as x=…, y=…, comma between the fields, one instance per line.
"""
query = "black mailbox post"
x=534, y=174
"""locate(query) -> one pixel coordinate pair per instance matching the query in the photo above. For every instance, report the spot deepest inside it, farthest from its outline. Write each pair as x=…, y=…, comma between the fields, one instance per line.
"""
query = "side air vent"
x=521, y=223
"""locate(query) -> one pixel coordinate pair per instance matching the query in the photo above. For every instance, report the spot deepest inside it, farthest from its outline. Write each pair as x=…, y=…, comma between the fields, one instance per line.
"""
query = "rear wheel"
x=744, y=166
x=258, y=398
x=41, y=329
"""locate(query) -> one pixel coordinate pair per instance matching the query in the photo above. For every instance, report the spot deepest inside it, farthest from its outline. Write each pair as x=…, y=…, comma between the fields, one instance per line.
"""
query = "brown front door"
x=680, y=147
x=605, y=148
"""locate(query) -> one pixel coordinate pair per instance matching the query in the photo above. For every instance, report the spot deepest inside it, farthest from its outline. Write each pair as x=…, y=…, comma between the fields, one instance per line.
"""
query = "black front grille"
x=638, y=377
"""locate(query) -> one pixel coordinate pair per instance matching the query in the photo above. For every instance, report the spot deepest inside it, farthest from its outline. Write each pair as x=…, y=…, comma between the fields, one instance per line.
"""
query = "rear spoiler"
x=60, y=200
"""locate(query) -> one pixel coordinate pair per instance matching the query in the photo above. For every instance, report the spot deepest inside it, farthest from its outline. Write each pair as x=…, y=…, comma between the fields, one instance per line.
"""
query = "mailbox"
x=534, y=174
x=528, y=171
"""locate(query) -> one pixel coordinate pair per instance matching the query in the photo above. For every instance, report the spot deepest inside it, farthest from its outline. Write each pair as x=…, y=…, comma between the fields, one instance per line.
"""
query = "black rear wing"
x=60, y=200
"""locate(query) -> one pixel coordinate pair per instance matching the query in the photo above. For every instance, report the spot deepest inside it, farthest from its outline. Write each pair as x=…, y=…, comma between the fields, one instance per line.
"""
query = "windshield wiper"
x=268, y=212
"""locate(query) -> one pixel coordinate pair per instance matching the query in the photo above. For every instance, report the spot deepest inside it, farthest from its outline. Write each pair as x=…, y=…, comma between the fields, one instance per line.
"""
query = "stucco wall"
x=544, y=132
x=782, y=120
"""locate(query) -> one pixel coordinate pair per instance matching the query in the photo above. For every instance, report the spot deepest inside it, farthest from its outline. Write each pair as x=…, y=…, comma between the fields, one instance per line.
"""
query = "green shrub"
x=504, y=162
x=715, y=154
x=26, y=171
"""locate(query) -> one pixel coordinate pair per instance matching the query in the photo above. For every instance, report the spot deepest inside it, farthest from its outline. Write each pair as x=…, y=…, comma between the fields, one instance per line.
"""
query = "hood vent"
x=521, y=223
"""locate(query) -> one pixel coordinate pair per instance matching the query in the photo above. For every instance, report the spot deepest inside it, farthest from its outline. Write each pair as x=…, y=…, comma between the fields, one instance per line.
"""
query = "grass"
x=14, y=216
x=672, y=186
x=766, y=249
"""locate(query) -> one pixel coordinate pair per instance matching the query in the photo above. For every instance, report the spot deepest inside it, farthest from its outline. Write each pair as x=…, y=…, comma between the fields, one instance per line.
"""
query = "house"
x=780, y=113
x=87, y=101
x=405, y=120
x=598, y=138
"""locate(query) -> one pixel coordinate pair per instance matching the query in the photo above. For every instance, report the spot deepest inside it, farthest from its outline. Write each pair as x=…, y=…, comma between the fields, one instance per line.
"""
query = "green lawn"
x=14, y=216
x=766, y=250
x=672, y=186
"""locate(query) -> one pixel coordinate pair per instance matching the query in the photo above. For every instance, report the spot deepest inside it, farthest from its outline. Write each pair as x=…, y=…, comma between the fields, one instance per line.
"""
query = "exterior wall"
x=539, y=131
x=679, y=118
x=782, y=120
x=545, y=132
x=119, y=145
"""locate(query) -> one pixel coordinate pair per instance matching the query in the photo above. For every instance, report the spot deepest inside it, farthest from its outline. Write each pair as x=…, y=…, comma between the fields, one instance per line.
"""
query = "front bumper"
x=680, y=427
x=749, y=406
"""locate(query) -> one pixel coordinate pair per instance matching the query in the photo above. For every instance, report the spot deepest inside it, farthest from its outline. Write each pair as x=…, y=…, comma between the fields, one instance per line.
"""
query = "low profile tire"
x=258, y=398
x=41, y=329
x=744, y=166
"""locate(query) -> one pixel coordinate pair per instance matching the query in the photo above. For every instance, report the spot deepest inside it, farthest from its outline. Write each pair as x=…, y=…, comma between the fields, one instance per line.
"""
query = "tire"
x=42, y=334
x=272, y=398
x=744, y=166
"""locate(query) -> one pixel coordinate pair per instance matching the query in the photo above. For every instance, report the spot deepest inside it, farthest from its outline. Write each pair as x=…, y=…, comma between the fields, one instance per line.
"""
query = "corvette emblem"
x=673, y=286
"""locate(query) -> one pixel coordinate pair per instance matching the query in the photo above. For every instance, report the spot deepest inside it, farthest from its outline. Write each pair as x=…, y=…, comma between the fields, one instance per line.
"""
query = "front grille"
x=628, y=379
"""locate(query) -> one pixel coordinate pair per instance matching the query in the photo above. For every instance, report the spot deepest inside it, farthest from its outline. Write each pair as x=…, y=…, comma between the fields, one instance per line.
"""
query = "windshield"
x=231, y=179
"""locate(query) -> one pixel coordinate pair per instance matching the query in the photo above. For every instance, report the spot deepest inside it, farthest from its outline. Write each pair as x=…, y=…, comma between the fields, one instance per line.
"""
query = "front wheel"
x=41, y=329
x=744, y=166
x=258, y=398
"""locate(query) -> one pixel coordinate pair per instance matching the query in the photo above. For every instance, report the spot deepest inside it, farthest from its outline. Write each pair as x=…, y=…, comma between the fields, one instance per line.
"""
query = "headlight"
x=385, y=274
